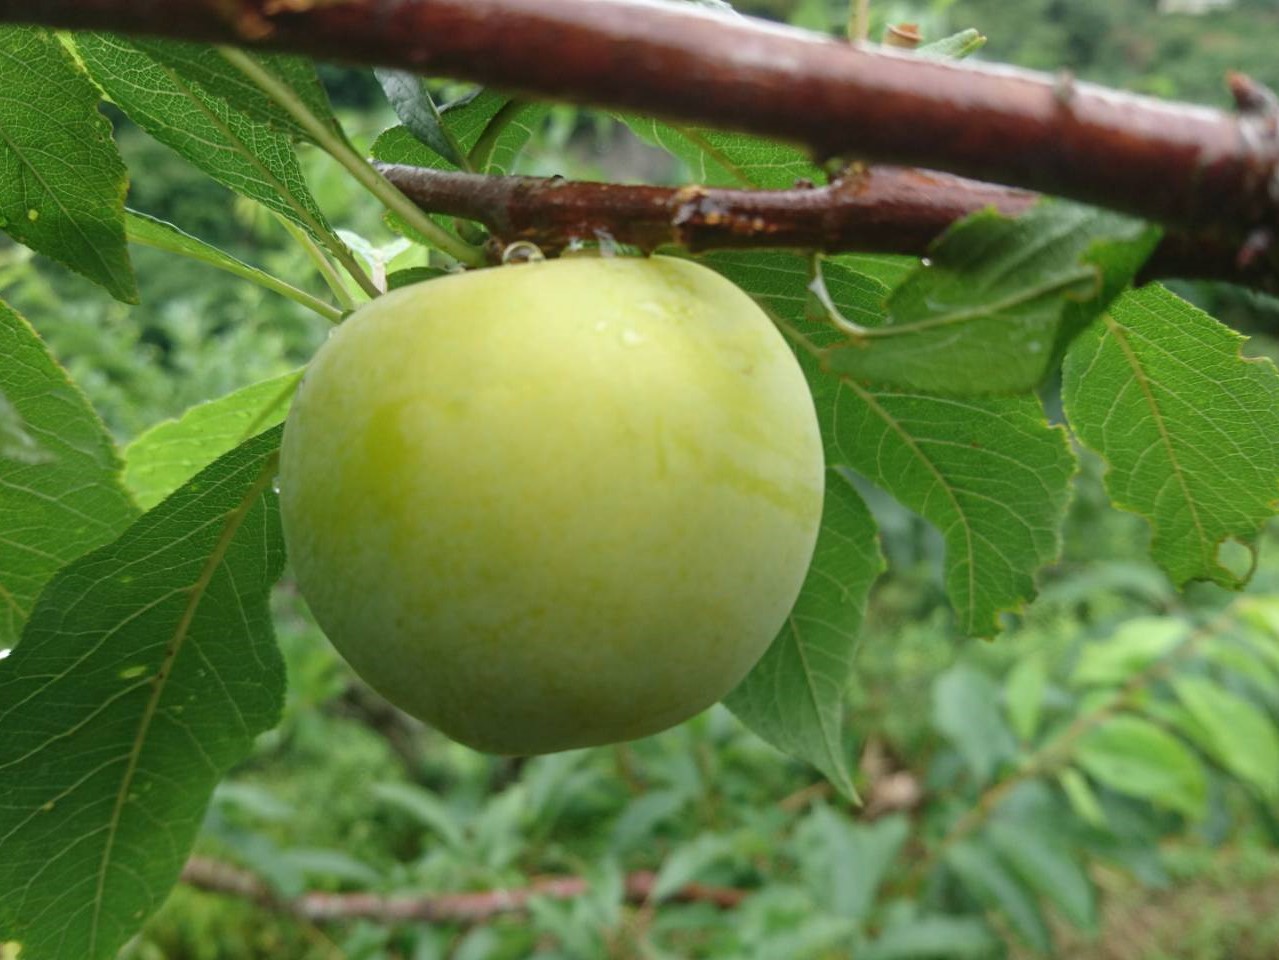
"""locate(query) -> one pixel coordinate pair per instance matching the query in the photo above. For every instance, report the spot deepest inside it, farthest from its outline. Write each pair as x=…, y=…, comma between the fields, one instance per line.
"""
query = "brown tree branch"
x=464, y=908
x=1169, y=162
x=879, y=209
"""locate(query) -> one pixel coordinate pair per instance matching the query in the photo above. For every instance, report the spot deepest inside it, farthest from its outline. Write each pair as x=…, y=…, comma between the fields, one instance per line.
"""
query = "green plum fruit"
x=556, y=504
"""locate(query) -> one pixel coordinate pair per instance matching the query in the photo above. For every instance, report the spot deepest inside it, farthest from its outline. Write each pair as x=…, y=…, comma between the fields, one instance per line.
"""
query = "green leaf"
x=1024, y=695
x=60, y=491
x=144, y=673
x=933, y=938
x=845, y=863
x=165, y=457
x=1036, y=855
x=465, y=124
x=720, y=159
x=795, y=697
x=988, y=472
x=165, y=236
x=424, y=807
x=966, y=712
x=1081, y=797
x=205, y=66
x=1236, y=655
x=62, y=182
x=1189, y=427
x=1135, y=757
x=414, y=105
x=411, y=275
x=955, y=47
x=1000, y=302
x=241, y=153
x=1135, y=645
x=1232, y=731
x=989, y=881
x=488, y=124
x=687, y=862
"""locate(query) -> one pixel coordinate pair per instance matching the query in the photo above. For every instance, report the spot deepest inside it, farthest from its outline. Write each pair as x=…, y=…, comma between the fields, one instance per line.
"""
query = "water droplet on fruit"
x=523, y=251
x=275, y=485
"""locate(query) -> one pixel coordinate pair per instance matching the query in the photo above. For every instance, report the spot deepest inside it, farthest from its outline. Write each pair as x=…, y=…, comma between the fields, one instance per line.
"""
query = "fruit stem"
x=322, y=263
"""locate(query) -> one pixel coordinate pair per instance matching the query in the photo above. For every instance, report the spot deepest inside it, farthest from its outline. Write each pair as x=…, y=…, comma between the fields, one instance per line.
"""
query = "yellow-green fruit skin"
x=557, y=504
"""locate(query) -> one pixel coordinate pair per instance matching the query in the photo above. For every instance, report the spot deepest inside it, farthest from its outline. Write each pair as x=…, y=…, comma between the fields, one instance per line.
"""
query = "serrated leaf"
x=239, y=152
x=146, y=670
x=1137, y=758
x=1024, y=691
x=1236, y=733
x=933, y=938
x=465, y=124
x=795, y=696
x=205, y=66
x=62, y=181
x=988, y=472
x=1034, y=853
x=60, y=490
x=1189, y=427
x=1135, y=645
x=720, y=159
x=1000, y=302
x=990, y=882
x=966, y=711
x=414, y=105
x=165, y=457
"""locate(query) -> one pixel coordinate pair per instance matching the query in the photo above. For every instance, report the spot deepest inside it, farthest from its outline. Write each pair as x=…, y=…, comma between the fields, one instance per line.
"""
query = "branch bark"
x=1169, y=162
x=879, y=209
x=464, y=908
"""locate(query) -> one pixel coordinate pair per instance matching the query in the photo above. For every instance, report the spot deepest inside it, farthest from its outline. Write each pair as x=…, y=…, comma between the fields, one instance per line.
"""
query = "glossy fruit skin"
x=554, y=505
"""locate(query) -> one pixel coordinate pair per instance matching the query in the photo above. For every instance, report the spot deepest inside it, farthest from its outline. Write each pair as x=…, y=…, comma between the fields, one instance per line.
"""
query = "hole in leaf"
x=1237, y=558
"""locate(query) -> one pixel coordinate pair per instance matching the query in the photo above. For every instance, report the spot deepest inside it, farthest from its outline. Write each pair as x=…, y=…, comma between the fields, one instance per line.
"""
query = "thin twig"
x=878, y=209
x=463, y=908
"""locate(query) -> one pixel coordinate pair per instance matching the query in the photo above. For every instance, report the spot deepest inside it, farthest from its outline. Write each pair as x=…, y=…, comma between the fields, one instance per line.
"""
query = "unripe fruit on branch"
x=554, y=505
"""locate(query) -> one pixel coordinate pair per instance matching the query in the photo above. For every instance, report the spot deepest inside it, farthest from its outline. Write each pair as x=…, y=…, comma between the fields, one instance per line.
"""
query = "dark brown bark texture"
x=1214, y=175
x=879, y=209
x=1168, y=162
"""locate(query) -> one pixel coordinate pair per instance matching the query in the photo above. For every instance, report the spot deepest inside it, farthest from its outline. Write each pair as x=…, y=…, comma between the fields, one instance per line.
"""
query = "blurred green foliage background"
x=347, y=794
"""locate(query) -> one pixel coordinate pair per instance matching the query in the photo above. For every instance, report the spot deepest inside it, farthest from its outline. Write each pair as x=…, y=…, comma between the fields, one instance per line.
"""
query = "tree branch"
x=879, y=209
x=465, y=908
x=1169, y=162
